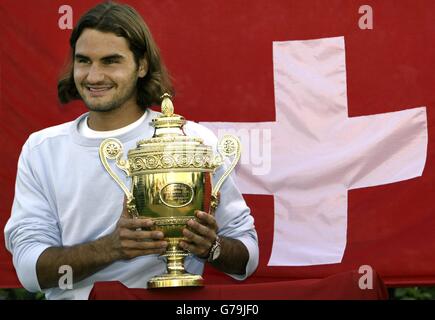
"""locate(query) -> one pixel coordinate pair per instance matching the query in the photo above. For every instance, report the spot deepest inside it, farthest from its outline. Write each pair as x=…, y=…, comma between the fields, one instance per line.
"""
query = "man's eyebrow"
x=114, y=56
x=80, y=56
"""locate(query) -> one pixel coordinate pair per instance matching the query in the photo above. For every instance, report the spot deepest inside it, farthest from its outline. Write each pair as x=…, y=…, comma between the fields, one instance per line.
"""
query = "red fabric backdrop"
x=220, y=56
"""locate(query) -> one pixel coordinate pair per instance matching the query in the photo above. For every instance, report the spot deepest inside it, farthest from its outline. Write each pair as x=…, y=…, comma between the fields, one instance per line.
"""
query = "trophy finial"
x=168, y=123
x=167, y=106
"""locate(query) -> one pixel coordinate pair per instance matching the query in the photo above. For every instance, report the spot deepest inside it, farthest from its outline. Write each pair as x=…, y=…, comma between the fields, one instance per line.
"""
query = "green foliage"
x=414, y=293
x=20, y=294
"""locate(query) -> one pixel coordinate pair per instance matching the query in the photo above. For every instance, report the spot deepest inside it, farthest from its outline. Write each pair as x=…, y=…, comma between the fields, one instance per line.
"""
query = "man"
x=68, y=211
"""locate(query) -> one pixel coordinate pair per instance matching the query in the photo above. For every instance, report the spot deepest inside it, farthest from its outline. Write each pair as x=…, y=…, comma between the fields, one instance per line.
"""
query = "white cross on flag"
x=318, y=152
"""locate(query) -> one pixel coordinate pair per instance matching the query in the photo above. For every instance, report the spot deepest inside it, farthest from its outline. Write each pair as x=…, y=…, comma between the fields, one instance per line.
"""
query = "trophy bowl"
x=171, y=178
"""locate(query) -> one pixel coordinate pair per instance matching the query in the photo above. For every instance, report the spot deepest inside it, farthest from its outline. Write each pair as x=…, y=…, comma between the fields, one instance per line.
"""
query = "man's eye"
x=82, y=61
x=110, y=61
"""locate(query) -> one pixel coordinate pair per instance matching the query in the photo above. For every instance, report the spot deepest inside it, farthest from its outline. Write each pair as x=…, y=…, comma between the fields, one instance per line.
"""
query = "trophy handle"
x=228, y=145
x=112, y=149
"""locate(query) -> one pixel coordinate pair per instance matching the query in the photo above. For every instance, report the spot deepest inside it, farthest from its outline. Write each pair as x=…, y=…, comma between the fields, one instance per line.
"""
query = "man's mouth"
x=98, y=91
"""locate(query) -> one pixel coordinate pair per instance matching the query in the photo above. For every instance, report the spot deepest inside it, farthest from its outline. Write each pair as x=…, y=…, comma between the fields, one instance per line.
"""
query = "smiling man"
x=105, y=75
x=68, y=212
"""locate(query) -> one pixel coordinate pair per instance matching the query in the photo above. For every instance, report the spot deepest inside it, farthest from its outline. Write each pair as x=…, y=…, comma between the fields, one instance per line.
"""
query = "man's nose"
x=95, y=74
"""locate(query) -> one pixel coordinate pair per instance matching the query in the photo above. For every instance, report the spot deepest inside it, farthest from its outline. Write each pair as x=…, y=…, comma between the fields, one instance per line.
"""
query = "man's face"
x=105, y=72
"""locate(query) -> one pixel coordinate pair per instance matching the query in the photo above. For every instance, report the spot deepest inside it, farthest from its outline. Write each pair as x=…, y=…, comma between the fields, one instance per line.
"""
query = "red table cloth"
x=341, y=286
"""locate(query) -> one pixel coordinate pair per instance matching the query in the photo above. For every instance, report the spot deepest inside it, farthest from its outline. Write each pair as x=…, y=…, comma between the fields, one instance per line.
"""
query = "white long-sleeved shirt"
x=64, y=197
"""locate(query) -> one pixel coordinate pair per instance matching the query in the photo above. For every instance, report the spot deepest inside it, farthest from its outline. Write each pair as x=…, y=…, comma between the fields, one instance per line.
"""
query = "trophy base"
x=176, y=280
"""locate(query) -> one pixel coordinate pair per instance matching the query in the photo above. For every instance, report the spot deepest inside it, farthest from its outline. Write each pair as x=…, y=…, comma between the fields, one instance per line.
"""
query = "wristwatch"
x=215, y=250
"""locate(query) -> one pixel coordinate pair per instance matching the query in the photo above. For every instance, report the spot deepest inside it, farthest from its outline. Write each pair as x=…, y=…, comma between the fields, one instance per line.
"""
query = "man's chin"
x=101, y=107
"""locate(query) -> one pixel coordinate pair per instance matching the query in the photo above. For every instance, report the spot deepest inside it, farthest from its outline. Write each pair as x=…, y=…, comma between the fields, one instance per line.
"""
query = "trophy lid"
x=169, y=147
x=168, y=122
x=168, y=126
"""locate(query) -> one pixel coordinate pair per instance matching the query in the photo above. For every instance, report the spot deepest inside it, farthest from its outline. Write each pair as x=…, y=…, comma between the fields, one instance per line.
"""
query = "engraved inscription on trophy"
x=176, y=195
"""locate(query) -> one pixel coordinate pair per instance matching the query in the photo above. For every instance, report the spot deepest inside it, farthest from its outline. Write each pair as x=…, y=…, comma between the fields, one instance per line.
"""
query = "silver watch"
x=215, y=250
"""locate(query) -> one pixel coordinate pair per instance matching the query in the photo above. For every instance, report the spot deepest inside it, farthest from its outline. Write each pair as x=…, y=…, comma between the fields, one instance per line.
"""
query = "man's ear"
x=143, y=67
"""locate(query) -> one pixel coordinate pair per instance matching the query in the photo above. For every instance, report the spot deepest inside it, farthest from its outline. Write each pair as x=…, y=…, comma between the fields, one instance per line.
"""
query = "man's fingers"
x=134, y=243
x=194, y=238
x=206, y=219
x=128, y=234
x=200, y=234
x=131, y=223
x=143, y=245
x=200, y=229
x=199, y=251
x=195, y=244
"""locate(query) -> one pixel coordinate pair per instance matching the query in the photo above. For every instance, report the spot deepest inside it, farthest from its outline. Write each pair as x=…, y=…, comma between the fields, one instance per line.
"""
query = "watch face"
x=216, y=252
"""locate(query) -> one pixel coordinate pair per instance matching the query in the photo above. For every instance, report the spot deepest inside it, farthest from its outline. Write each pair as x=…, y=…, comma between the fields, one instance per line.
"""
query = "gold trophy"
x=171, y=178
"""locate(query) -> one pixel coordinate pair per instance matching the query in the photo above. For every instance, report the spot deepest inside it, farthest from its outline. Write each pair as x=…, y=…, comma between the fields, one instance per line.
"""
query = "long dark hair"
x=124, y=21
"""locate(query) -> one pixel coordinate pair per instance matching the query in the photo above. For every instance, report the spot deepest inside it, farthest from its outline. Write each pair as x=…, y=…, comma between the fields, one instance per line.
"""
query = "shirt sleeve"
x=33, y=225
x=235, y=221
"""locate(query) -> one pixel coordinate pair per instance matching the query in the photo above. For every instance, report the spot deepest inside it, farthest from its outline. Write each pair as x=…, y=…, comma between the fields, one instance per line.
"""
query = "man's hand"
x=200, y=234
x=133, y=237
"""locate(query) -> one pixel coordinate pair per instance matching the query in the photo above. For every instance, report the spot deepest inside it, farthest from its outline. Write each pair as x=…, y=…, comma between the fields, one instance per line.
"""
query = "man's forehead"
x=94, y=44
